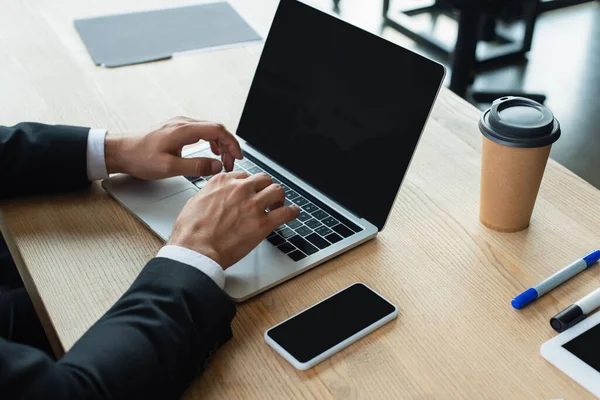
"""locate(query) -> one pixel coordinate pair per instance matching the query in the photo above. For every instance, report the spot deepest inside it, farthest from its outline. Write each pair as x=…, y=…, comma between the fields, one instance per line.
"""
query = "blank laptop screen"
x=339, y=107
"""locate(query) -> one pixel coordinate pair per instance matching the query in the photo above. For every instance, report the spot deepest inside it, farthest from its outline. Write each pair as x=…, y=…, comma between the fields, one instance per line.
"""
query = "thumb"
x=195, y=167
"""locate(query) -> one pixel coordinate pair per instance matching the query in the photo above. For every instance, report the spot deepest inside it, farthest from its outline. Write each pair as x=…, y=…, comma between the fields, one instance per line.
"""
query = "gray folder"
x=118, y=40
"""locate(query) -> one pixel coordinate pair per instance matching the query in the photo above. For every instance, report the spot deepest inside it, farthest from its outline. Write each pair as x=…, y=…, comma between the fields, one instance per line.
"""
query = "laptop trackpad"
x=161, y=216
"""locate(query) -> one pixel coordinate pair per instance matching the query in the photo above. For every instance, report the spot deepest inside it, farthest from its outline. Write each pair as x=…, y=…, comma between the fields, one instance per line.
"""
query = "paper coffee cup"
x=517, y=136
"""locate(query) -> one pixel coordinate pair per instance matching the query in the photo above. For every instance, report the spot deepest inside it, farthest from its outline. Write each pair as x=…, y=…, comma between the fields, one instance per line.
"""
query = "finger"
x=227, y=161
x=215, y=148
x=272, y=194
x=275, y=206
x=260, y=181
x=194, y=132
x=194, y=166
x=238, y=175
x=282, y=215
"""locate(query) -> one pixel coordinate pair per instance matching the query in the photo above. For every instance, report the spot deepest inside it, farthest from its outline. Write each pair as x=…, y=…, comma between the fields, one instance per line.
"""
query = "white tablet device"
x=322, y=330
x=576, y=352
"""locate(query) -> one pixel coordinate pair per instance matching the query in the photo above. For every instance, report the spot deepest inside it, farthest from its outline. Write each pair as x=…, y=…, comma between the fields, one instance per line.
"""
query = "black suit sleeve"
x=37, y=158
x=149, y=345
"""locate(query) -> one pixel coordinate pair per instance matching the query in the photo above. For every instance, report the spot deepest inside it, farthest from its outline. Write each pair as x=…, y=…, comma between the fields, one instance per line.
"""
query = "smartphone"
x=322, y=330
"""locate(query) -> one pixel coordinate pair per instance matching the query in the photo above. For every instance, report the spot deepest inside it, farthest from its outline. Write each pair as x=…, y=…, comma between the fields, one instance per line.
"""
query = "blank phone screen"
x=330, y=322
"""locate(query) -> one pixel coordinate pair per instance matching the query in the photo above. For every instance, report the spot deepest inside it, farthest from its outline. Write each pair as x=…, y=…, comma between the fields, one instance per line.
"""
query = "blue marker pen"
x=555, y=280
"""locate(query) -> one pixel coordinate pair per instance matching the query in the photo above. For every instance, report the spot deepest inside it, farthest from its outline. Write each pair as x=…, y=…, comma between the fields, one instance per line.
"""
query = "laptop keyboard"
x=316, y=228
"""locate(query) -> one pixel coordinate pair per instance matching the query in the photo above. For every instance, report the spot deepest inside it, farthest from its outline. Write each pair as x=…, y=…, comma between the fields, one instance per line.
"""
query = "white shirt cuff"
x=196, y=260
x=96, y=164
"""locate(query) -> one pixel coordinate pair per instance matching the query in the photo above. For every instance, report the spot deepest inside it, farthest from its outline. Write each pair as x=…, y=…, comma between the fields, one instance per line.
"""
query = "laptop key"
x=287, y=202
x=294, y=224
x=296, y=255
x=276, y=240
x=291, y=194
x=343, y=230
x=304, y=216
x=300, y=201
x=255, y=170
x=275, y=180
x=286, y=248
x=280, y=227
x=286, y=233
x=310, y=207
x=313, y=223
x=330, y=221
x=303, y=245
x=318, y=241
x=246, y=164
x=320, y=215
x=323, y=230
x=333, y=237
x=303, y=231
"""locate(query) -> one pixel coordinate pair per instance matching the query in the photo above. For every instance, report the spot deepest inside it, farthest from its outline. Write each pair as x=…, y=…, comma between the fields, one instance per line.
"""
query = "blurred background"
x=547, y=50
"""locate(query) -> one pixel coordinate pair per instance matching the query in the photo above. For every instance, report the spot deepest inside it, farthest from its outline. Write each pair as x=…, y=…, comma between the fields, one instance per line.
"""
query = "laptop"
x=334, y=115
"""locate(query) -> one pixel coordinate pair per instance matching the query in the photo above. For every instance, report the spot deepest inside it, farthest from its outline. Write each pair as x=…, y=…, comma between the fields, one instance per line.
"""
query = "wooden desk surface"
x=457, y=335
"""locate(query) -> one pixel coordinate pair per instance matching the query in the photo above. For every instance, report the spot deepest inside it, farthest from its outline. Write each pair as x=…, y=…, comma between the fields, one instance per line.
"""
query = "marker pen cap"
x=567, y=318
x=524, y=298
x=592, y=258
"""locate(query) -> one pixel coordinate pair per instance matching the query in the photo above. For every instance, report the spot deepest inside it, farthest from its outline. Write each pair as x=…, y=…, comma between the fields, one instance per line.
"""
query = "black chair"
x=476, y=21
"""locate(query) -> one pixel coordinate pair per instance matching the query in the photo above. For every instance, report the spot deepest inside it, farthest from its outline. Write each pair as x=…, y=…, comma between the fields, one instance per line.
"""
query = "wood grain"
x=452, y=279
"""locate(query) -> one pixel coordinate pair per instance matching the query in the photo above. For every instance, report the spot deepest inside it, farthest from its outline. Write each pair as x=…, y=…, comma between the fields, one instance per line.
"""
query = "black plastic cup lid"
x=519, y=122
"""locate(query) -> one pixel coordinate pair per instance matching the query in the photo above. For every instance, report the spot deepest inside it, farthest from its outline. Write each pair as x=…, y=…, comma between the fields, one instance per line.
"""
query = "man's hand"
x=157, y=155
x=227, y=219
